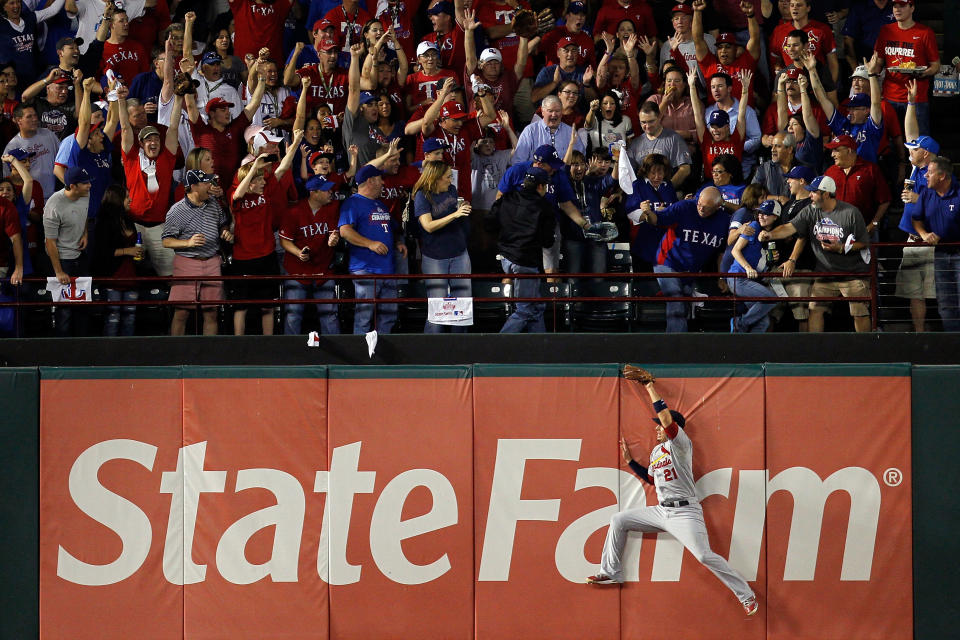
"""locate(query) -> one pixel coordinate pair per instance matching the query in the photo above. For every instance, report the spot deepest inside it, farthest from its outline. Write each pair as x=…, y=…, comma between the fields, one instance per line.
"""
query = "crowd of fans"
x=299, y=138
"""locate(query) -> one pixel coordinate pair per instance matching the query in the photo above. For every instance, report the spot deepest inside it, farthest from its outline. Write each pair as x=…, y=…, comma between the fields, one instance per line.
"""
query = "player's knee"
x=618, y=521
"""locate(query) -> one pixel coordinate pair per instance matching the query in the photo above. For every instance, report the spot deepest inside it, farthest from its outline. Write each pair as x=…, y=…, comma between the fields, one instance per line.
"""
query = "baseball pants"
x=683, y=523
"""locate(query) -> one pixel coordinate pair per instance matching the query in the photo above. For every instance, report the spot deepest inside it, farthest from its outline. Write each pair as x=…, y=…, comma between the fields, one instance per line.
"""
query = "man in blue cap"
x=65, y=233
x=308, y=233
x=361, y=115
x=366, y=224
x=800, y=257
x=210, y=76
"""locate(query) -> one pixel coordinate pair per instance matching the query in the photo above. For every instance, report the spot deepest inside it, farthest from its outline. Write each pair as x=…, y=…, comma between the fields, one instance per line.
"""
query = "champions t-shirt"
x=370, y=219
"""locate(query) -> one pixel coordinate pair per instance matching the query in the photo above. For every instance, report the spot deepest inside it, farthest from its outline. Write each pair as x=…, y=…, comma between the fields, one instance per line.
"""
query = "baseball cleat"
x=751, y=606
x=601, y=579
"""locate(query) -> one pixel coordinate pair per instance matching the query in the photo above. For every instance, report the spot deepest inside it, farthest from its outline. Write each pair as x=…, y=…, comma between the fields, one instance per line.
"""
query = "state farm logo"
x=387, y=529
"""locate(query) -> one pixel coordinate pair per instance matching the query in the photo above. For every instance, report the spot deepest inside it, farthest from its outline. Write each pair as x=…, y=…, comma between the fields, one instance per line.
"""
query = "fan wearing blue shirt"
x=749, y=258
x=698, y=231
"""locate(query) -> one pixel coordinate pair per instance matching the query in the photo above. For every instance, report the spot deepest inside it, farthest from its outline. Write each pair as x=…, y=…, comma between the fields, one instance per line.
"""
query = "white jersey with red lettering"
x=671, y=467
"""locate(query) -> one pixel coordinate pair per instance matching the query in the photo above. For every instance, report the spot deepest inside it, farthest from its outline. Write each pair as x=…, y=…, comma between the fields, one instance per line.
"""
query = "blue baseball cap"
x=366, y=96
x=441, y=7
x=547, y=155
x=576, y=7
x=801, y=172
x=822, y=183
x=677, y=417
x=433, y=144
x=719, y=118
x=211, y=57
x=769, y=207
x=196, y=176
x=366, y=172
x=858, y=100
x=76, y=175
x=538, y=175
x=924, y=142
x=319, y=183
x=21, y=154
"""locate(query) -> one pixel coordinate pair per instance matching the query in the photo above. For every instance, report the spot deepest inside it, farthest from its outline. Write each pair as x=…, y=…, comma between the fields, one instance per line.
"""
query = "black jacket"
x=526, y=223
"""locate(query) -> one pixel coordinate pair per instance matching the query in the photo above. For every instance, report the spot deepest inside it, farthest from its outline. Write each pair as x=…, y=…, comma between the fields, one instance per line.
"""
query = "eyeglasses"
x=570, y=93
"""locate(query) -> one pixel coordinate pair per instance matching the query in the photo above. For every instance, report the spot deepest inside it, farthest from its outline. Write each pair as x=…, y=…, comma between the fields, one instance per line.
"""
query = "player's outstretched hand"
x=642, y=376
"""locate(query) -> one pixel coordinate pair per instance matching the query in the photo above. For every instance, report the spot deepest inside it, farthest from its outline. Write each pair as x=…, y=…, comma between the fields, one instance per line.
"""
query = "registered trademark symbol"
x=892, y=477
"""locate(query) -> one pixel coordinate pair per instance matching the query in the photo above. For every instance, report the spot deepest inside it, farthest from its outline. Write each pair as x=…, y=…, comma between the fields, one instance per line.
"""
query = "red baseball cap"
x=795, y=72
x=842, y=141
x=682, y=8
x=566, y=41
x=322, y=24
x=727, y=38
x=453, y=109
x=327, y=44
x=217, y=103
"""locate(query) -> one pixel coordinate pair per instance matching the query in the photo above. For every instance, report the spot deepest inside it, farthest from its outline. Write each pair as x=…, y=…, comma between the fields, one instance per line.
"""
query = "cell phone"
x=273, y=157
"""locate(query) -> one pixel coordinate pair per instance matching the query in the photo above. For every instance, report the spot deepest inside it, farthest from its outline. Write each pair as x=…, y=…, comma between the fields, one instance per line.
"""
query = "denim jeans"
x=757, y=317
x=386, y=312
x=674, y=287
x=317, y=290
x=946, y=264
x=585, y=257
x=121, y=320
x=923, y=115
x=528, y=316
x=438, y=288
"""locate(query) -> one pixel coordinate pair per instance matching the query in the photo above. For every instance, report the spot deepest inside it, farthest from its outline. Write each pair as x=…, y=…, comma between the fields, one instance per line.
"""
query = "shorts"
x=854, y=287
x=551, y=255
x=798, y=288
x=915, y=279
x=254, y=289
x=196, y=268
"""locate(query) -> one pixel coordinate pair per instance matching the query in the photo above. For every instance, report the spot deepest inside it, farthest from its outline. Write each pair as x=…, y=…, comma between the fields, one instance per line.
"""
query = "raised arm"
x=403, y=63
x=783, y=113
x=746, y=79
x=663, y=412
x=523, y=54
x=188, y=19
x=753, y=27
x=287, y=162
x=83, y=114
x=290, y=71
x=428, y=123
x=21, y=168
x=470, y=24
x=259, y=163
x=874, y=68
x=169, y=70
x=353, y=88
x=505, y=121
x=126, y=131
x=696, y=103
x=251, y=109
x=911, y=128
x=300, y=121
x=699, y=44
x=806, y=108
x=811, y=64
x=171, y=142
x=34, y=89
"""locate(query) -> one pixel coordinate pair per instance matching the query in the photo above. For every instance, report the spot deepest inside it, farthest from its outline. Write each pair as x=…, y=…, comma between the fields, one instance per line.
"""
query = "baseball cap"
x=822, y=183
x=425, y=46
x=61, y=79
x=262, y=139
x=366, y=172
x=21, y=154
x=682, y=8
x=328, y=44
x=858, y=100
x=576, y=7
x=794, y=72
x=148, y=131
x=800, y=172
x=322, y=24
x=366, y=96
x=924, y=142
x=677, y=417
x=62, y=42
x=860, y=72
x=727, y=38
x=769, y=207
x=434, y=144
x=567, y=41
x=196, y=176
x=211, y=57
x=217, y=103
x=441, y=7
x=842, y=141
x=903, y=2
x=491, y=53
x=453, y=109
x=538, y=175
x=317, y=155
x=319, y=183
x=547, y=154
x=76, y=175
x=719, y=118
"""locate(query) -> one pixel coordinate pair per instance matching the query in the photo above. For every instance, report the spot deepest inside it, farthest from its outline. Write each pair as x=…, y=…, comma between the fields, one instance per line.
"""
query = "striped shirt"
x=184, y=219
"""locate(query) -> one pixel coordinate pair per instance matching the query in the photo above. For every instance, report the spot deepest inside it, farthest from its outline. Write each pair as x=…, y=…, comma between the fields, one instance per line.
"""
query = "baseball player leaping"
x=679, y=512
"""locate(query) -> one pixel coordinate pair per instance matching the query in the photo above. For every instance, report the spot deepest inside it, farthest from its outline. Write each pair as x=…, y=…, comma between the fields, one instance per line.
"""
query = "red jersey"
x=9, y=226
x=226, y=147
x=494, y=12
x=326, y=89
x=820, y=36
x=396, y=190
x=154, y=20
x=126, y=59
x=710, y=148
x=612, y=13
x=504, y=87
x=459, y=155
x=253, y=226
x=896, y=46
x=349, y=25
x=258, y=25
x=548, y=45
x=452, y=56
x=305, y=227
x=400, y=15
x=147, y=207
x=423, y=88
x=769, y=124
x=711, y=65
x=864, y=186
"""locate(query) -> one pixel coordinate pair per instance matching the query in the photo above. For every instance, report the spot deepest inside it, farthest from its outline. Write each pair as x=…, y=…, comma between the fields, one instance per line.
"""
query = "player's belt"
x=674, y=503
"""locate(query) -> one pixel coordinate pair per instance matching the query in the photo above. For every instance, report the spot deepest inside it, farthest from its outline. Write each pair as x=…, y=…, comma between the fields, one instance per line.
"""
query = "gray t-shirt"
x=45, y=145
x=668, y=143
x=845, y=219
x=486, y=174
x=65, y=221
x=356, y=130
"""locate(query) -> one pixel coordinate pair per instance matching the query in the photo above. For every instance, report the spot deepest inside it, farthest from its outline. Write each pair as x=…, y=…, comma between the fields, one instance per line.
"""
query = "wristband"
x=791, y=260
x=911, y=104
x=659, y=405
x=874, y=75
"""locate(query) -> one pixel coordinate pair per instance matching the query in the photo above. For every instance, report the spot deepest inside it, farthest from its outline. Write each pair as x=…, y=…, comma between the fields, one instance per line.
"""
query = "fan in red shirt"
x=494, y=75
x=424, y=86
x=859, y=182
x=328, y=83
x=448, y=36
x=820, y=38
x=726, y=59
x=399, y=14
x=612, y=14
x=222, y=135
x=308, y=234
x=10, y=233
x=348, y=19
x=715, y=136
x=497, y=19
x=125, y=57
x=452, y=124
x=903, y=43
x=789, y=83
x=575, y=18
x=257, y=24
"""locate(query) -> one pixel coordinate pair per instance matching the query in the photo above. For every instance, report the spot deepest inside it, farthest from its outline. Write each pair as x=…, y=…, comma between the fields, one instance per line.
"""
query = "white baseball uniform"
x=679, y=514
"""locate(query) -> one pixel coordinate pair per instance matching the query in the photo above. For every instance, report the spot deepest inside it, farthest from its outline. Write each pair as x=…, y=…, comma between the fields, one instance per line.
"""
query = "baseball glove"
x=525, y=24
x=545, y=21
x=183, y=84
x=642, y=376
x=604, y=231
